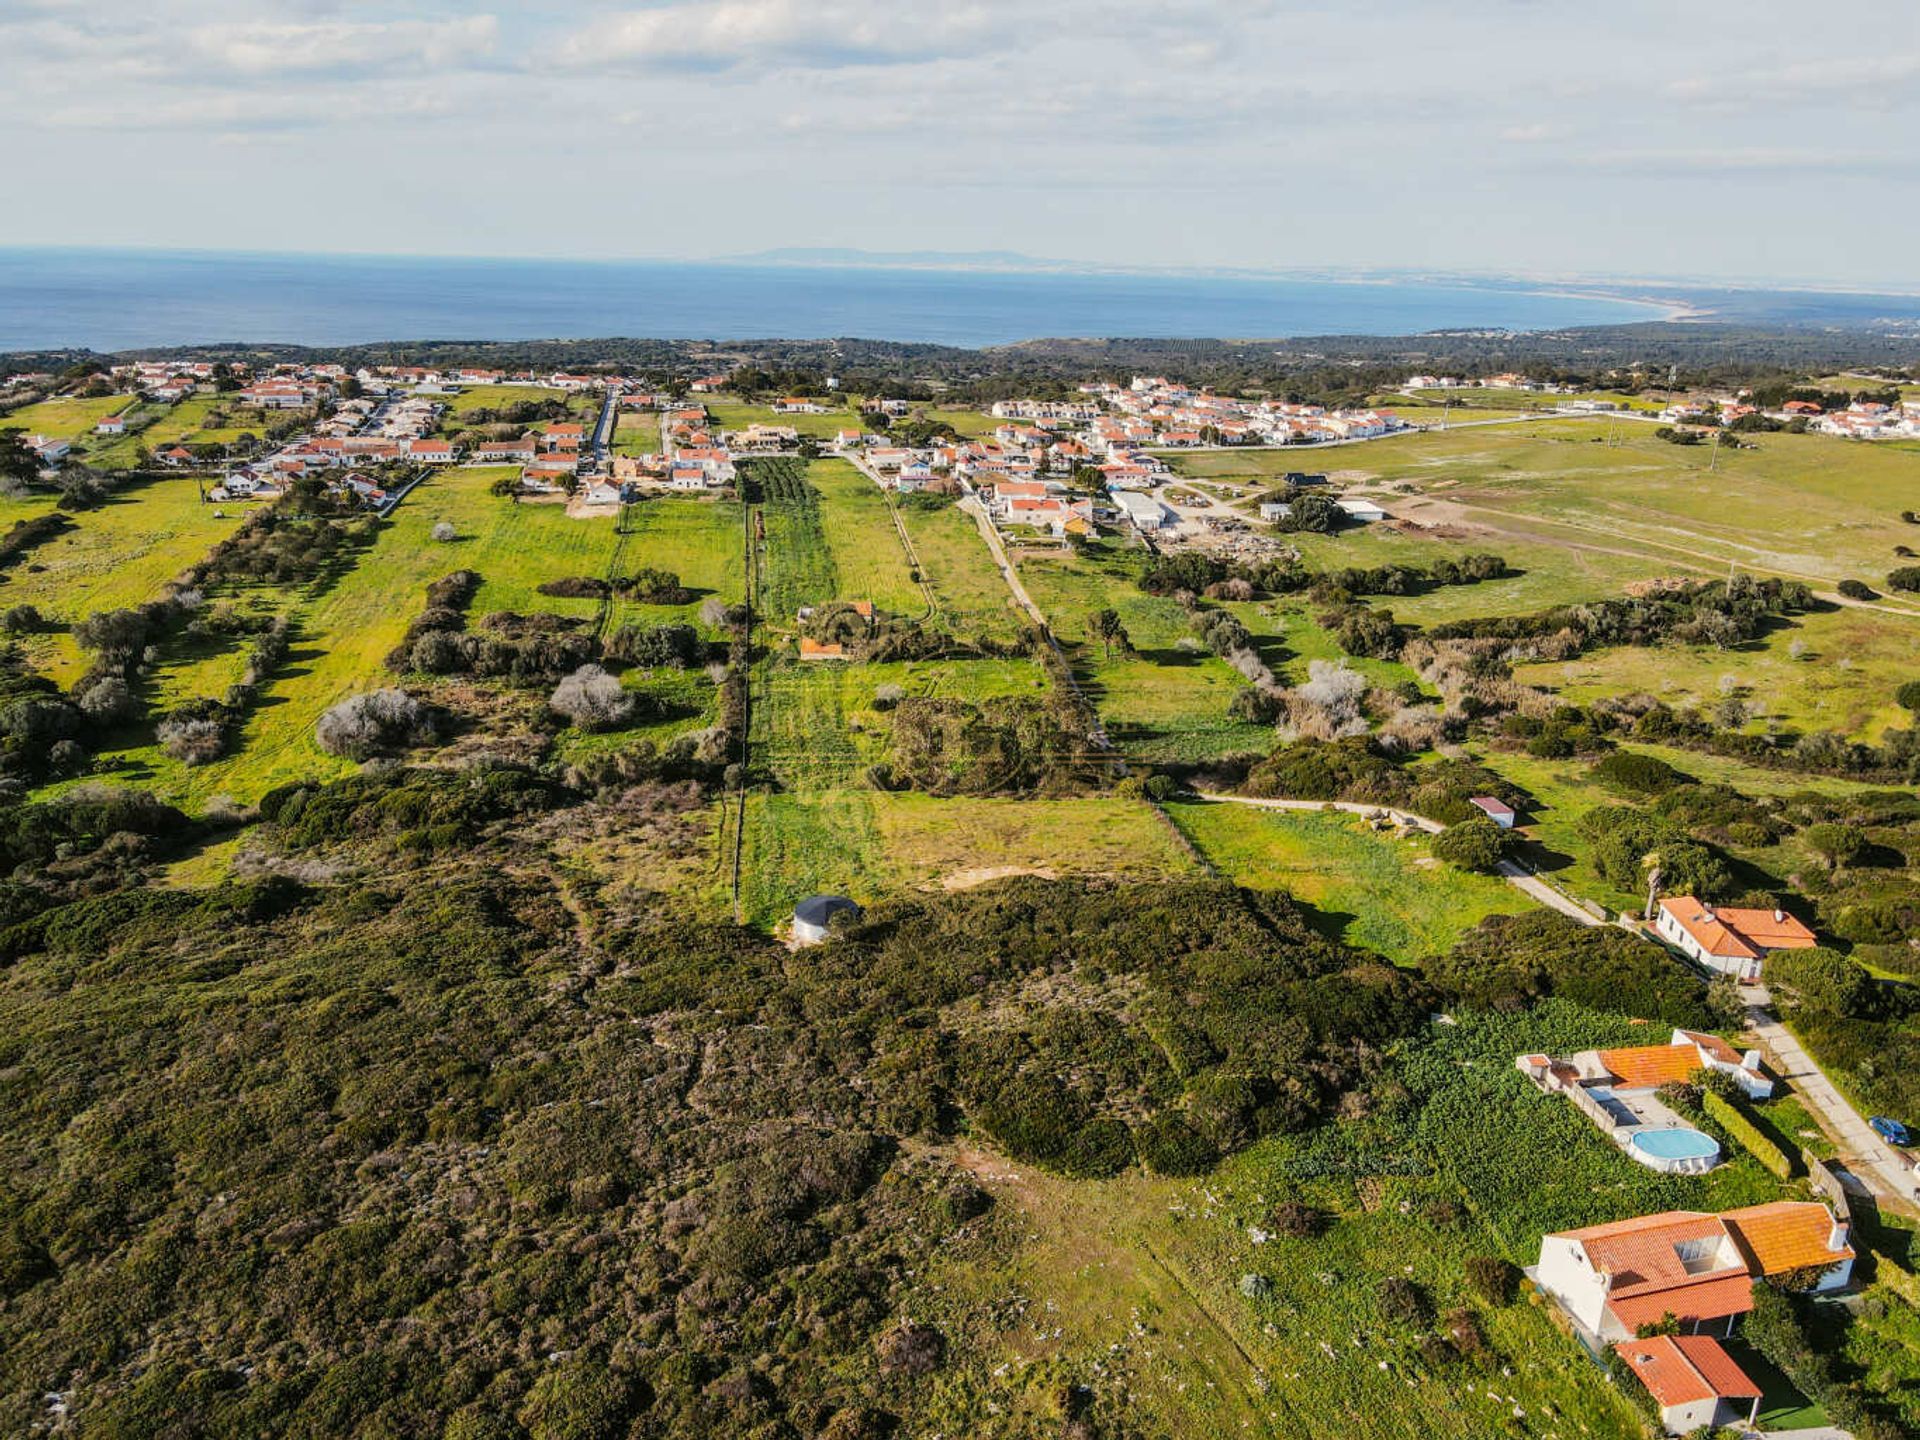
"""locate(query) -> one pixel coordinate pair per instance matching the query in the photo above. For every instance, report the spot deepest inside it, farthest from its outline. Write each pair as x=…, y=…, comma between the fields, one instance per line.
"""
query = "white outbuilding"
x=813, y=917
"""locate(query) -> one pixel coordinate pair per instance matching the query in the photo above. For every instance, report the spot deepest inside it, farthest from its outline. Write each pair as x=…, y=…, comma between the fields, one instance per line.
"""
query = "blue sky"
x=1749, y=140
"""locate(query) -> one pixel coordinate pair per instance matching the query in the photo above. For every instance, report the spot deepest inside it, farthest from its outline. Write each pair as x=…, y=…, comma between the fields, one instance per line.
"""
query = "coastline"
x=107, y=300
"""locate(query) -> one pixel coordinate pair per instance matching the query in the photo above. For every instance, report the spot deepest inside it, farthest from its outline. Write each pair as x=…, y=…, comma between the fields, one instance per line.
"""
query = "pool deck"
x=1649, y=1112
x=1620, y=1113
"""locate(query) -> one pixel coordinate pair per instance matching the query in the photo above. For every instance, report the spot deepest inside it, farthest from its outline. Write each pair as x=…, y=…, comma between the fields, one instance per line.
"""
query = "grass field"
x=732, y=415
x=198, y=420
x=496, y=397
x=1616, y=503
x=1851, y=662
x=867, y=843
x=1166, y=700
x=346, y=630
x=971, y=597
x=698, y=539
x=1546, y=574
x=1370, y=889
x=117, y=555
x=637, y=433
x=70, y=418
x=868, y=560
x=1805, y=506
x=973, y=424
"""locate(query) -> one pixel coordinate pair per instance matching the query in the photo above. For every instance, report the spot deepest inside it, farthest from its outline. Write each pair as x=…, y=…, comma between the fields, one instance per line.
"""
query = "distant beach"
x=129, y=299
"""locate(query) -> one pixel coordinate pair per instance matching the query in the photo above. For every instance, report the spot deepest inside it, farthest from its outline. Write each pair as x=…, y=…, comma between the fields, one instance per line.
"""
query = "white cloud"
x=1194, y=131
x=1857, y=79
x=721, y=34
x=262, y=48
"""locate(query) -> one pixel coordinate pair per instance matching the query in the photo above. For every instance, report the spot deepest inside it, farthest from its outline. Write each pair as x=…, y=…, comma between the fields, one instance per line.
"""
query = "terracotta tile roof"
x=1713, y=1299
x=1736, y=933
x=1714, y=1046
x=1770, y=929
x=1686, y=1369
x=1642, y=1254
x=1786, y=1235
x=1651, y=1065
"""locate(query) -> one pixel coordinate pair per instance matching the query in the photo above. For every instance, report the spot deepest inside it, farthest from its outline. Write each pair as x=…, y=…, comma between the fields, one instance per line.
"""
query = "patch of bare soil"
x=984, y=874
x=1439, y=519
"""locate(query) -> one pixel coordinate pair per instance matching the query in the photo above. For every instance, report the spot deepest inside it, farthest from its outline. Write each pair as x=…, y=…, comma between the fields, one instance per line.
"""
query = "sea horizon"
x=109, y=299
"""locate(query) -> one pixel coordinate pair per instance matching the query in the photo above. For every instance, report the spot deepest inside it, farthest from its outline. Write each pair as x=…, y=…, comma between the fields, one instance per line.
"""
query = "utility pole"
x=1713, y=462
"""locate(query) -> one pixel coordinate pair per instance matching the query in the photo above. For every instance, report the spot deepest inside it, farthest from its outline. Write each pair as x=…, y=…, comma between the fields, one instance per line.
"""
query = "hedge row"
x=1724, y=1114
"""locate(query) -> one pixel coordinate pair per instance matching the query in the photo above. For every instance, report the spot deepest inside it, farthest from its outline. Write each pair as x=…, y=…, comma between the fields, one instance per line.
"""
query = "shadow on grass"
x=1543, y=859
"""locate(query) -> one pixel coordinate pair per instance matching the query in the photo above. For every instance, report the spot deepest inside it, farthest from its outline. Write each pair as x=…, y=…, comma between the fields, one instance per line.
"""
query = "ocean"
x=129, y=299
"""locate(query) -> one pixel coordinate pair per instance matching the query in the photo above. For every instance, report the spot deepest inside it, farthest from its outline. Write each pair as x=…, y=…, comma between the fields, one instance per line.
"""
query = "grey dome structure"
x=813, y=916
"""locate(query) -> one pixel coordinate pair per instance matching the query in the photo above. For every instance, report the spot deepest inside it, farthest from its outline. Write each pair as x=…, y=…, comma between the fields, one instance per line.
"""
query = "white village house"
x=1727, y=938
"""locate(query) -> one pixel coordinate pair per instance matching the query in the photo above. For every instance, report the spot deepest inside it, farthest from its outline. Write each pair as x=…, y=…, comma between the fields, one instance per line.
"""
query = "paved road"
x=1876, y=1164
x=602, y=442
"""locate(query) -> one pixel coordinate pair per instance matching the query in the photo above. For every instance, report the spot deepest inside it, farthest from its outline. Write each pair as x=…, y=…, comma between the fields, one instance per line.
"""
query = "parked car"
x=1891, y=1131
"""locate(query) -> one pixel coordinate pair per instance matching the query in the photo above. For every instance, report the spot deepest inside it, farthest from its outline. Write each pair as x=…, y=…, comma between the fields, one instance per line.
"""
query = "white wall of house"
x=1679, y=1419
x=1565, y=1274
x=1672, y=931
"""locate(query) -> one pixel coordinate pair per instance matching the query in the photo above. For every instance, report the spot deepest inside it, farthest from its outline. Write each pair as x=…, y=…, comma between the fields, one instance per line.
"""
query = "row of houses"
x=1152, y=410
x=165, y=381
x=1506, y=380
x=1871, y=420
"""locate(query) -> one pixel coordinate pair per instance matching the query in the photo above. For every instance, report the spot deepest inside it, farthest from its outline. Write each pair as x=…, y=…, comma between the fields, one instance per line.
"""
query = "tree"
x=1909, y=695
x=592, y=699
x=1404, y=1302
x=1496, y=1279
x=1839, y=845
x=1109, y=630
x=1856, y=590
x=1821, y=979
x=191, y=738
x=1906, y=578
x=380, y=722
x=1478, y=845
x=19, y=466
x=1316, y=514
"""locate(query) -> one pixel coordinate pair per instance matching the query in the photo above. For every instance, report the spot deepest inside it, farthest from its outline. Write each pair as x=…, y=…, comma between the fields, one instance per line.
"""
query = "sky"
x=1744, y=140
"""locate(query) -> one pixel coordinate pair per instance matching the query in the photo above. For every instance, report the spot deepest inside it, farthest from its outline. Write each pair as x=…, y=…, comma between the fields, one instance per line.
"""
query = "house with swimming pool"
x=1618, y=1090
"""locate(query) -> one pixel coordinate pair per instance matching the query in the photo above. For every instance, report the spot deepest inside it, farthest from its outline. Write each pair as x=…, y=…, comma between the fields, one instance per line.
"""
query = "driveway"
x=1878, y=1166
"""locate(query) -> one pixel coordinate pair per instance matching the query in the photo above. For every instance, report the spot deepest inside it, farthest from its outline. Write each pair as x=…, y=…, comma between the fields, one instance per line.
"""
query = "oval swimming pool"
x=1677, y=1149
